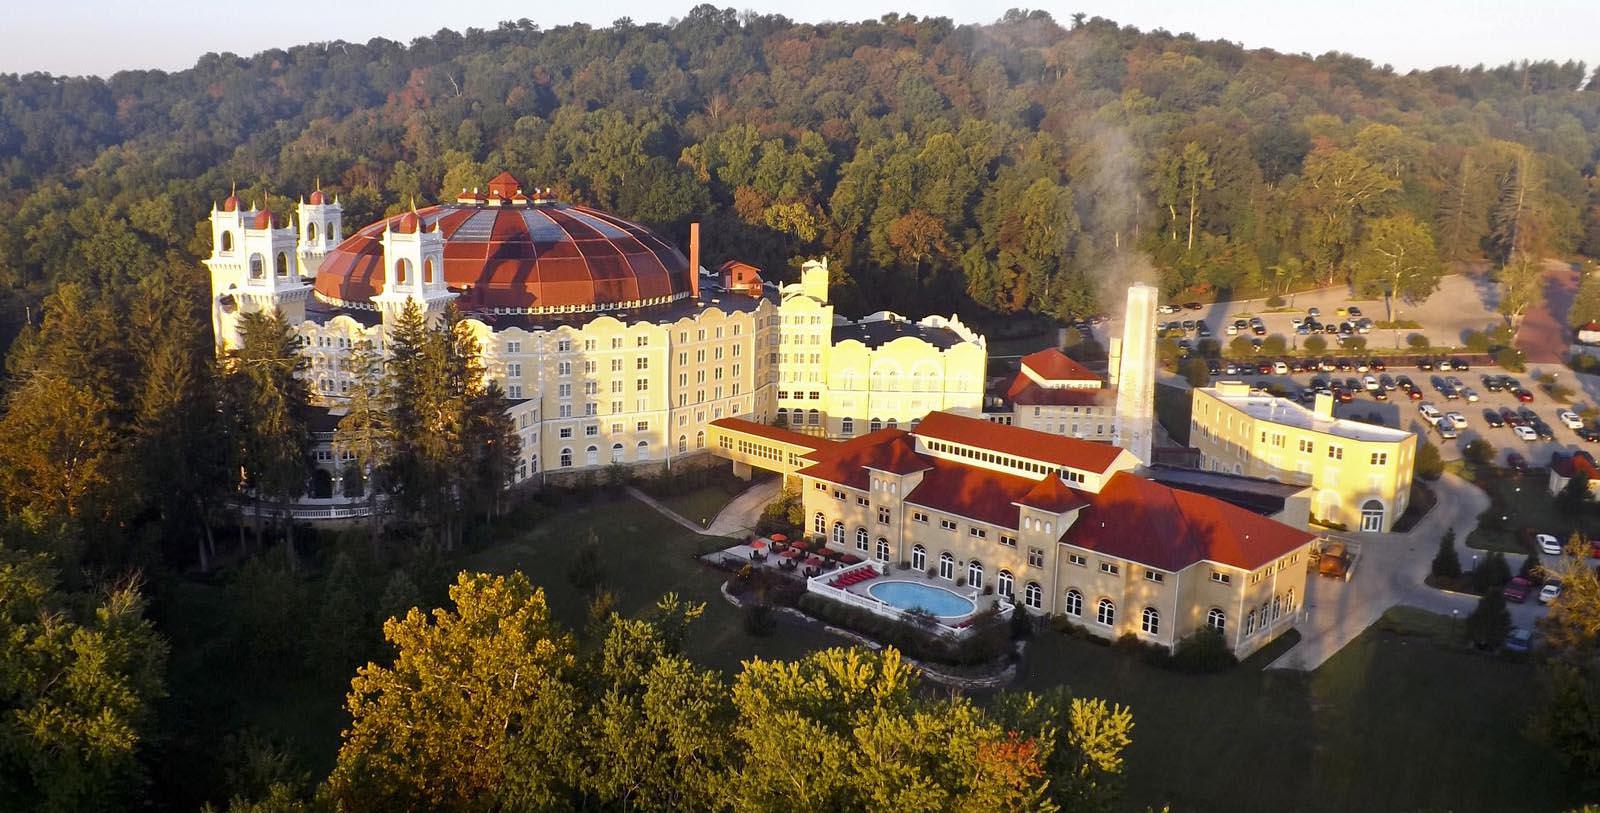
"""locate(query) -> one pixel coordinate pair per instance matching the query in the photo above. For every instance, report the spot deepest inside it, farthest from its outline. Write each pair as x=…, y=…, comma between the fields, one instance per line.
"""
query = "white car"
x=1429, y=411
x=1570, y=418
x=1548, y=545
x=1295, y=320
x=1456, y=419
x=1524, y=433
x=1370, y=383
x=1168, y=309
x=1470, y=394
x=1231, y=330
x=1549, y=591
x=1280, y=368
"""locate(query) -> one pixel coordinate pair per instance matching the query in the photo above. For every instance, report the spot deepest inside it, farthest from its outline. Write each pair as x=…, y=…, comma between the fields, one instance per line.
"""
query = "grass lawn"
x=1172, y=410
x=1526, y=502
x=1393, y=722
x=703, y=503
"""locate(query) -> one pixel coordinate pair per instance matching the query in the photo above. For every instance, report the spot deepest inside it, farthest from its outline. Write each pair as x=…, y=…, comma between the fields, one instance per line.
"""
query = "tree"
x=1396, y=257
x=1429, y=465
x=268, y=398
x=342, y=627
x=1241, y=346
x=1531, y=569
x=587, y=572
x=1337, y=190
x=366, y=432
x=58, y=450
x=1492, y=573
x=1479, y=451
x=82, y=676
x=1315, y=344
x=1585, y=306
x=1275, y=345
x=1490, y=621
x=1569, y=719
x=1575, y=497
x=1446, y=563
x=497, y=724
x=1196, y=372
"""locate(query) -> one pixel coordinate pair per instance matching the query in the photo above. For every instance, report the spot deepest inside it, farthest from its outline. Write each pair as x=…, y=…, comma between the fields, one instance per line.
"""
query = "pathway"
x=737, y=517
x=1543, y=334
x=1389, y=573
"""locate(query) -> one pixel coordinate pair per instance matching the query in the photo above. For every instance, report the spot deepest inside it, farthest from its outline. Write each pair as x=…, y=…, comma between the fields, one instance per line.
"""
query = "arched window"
x=258, y=267
x=1250, y=623
x=814, y=417
x=975, y=574
x=893, y=424
x=847, y=426
x=874, y=425
x=1288, y=601
x=402, y=269
x=1033, y=596
x=282, y=264
x=783, y=416
x=227, y=241
x=883, y=549
x=947, y=566
x=1150, y=621
x=1074, y=603
x=427, y=271
x=642, y=452
x=1106, y=612
x=700, y=440
x=819, y=525
x=838, y=533
x=616, y=453
x=683, y=444
x=1276, y=604
x=329, y=232
x=1003, y=584
x=861, y=539
x=311, y=231
x=919, y=557
x=1217, y=620
x=591, y=456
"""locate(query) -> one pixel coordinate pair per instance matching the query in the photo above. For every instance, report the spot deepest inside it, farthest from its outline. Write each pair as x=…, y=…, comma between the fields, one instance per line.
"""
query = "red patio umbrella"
x=758, y=544
x=779, y=538
x=813, y=561
x=790, y=553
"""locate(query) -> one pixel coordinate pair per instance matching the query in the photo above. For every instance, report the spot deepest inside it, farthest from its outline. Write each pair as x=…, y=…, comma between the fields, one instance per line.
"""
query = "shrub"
x=1429, y=465
x=1417, y=341
x=1447, y=563
x=1275, y=301
x=1584, y=363
x=1489, y=622
x=1195, y=372
x=759, y=621
x=1530, y=565
x=1354, y=344
x=1476, y=342
x=1152, y=654
x=1274, y=344
x=1241, y=346
x=1210, y=348
x=1204, y=651
x=587, y=573
x=988, y=637
x=1479, y=451
x=1499, y=335
x=1511, y=359
x=1492, y=573
x=1315, y=344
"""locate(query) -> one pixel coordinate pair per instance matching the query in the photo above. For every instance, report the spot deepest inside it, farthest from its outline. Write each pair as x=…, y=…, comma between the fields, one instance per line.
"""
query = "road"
x=739, y=516
x=1389, y=573
x=1543, y=336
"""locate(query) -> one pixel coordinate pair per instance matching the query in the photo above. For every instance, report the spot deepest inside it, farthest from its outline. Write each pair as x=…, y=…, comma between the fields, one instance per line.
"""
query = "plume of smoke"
x=1113, y=205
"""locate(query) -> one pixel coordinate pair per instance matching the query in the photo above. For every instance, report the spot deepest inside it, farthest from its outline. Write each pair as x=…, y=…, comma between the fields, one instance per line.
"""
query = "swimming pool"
x=915, y=595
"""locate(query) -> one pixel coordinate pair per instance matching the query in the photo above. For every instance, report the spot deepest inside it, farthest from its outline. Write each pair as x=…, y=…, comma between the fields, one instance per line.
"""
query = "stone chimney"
x=694, y=260
x=1134, y=426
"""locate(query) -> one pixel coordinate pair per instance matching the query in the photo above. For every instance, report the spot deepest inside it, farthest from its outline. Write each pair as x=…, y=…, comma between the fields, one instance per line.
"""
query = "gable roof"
x=847, y=462
x=1024, y=391
x=1054, y=365
x=774, y=433
x=1143, y=521
x=972, y=492
x=1085, y=455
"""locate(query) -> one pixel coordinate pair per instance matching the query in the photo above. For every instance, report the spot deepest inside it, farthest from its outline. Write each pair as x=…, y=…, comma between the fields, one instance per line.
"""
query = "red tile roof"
x=972, y=492
x=1054, y=365
x=1143, y=521
x=1025, y=391
x=846, y=463
x=762, y=430
x=1026, y=443
x=1051, y=493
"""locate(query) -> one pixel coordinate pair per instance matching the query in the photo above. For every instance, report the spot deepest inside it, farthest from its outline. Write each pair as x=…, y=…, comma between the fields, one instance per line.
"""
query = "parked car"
x=1168, y=309
x=1493, y=419
x=1231, y=330
x=1459, y=364
x=1493, y=383
x=1377, y=364
x=1543, y=431
x=1510, y=384
x=1470, y=394
x=1213, y=368
x=1517, y=590
x=1280, y=368
x=1194, y=306
x=1524, y=396
x=1525, y=433
x=1429, y=411
x=1570, y=418
x=1353, y=311
x=1519, y=639
x=1446, y=429
x=1549, y=591
x=1548, y=544
x=1587, y=435
x=1424, y=363
x=1456, y=419
x=1259, y=330
x=1369, y=383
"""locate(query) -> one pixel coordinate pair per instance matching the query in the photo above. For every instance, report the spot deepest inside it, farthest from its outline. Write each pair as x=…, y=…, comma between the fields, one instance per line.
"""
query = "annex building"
x=1360, y=474
x=1056, y=524
x=612, y=346
x=1053, y=393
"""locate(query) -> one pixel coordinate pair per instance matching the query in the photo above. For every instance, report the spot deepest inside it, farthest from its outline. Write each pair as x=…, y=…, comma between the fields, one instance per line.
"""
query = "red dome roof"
x=407, y=224
x=231, y=204
x=317, y=198
x=263, y=220
x=539, y=256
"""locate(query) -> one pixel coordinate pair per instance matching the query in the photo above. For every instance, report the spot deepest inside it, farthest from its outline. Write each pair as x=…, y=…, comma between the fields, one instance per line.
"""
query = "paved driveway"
x=1390, y=573
x=1543, y=334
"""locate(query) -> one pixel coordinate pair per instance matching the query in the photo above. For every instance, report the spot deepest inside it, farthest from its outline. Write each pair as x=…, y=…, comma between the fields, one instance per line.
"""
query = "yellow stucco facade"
x=1360, y=474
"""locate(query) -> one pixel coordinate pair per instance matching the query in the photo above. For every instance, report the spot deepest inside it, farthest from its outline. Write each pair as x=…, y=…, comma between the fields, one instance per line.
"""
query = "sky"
x=104, y=36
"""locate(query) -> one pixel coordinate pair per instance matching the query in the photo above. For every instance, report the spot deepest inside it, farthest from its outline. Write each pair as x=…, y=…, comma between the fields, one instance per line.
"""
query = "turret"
x=814, y=280
x=253, y=268
x=320, y=225
x=413, y=267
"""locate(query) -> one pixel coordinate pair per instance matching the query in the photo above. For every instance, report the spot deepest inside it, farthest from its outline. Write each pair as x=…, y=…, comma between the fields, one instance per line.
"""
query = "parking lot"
x=1395, y=408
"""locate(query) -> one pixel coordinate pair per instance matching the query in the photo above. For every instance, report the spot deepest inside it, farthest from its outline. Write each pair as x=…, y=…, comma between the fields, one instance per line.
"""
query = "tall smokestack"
x=694, y=260
x=1136, y=374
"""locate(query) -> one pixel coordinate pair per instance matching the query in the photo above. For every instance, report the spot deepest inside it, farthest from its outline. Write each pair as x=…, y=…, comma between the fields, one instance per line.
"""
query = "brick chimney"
x=694, y=260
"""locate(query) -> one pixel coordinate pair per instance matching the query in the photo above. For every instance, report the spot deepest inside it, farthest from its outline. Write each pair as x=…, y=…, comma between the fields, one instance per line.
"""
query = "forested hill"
x=1014, y=163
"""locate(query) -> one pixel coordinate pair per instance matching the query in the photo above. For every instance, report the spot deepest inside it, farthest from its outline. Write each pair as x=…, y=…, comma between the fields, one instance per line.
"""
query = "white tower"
x=413, y=268
x=320, y=224
x=252, y=267
x=1135, y=374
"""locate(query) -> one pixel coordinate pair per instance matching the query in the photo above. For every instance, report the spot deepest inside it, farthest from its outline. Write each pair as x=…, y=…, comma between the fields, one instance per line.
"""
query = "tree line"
x=1021, y=166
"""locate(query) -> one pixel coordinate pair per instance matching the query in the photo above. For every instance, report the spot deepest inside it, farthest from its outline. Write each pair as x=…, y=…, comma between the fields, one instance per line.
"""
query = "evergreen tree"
x=269, y=399
x=342, y=625
x=366, y=431
x=1446, y=563
x=1490, y=621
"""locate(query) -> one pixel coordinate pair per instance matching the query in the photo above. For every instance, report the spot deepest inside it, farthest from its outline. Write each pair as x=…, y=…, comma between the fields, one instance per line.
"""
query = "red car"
x=1517, y=590
x=1524, y=396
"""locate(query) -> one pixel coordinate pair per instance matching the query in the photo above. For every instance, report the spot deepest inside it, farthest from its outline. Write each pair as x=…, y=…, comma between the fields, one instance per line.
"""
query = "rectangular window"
x=918, y=516
x=1306, y=446
x=514, y=391
x=642, y=426
x=565, y=432
x=947, y=524
x=1107, y=567
x=513, y=347
x=642, y=384
x=642, y=363
x=1153, y=576
x=563, y=345
x=977, y=532
x=1008, y=541
x=564, y=390
x=1336, y=452
x=883, y=516
x=862, y=501
x=1077, y=559
x=616, y=343
x=1380, y=458
x=1035, y=557
x=837, y=494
